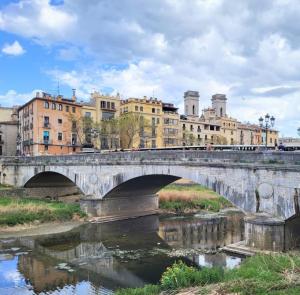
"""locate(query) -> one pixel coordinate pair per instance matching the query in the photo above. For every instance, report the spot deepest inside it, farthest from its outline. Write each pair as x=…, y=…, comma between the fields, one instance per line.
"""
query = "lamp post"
x=266, y=123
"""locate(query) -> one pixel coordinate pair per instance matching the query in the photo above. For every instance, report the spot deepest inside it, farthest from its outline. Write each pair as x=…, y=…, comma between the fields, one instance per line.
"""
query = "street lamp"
x=267, y=123
x=298, y=131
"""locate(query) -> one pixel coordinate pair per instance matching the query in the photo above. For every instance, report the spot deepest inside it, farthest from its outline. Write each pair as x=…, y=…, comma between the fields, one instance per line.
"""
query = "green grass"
x=184, y=188
x=180, y=206
x=19, y=211
x=5, y=186
x=277, y=274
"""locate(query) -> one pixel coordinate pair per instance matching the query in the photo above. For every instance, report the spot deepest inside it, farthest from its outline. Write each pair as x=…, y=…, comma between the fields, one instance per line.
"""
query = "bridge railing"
x=265, y=157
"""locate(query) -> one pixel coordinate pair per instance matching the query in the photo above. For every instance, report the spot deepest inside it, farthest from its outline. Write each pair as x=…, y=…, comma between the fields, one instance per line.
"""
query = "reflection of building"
x=43, y=276
x=8, y=131
x=49, y=125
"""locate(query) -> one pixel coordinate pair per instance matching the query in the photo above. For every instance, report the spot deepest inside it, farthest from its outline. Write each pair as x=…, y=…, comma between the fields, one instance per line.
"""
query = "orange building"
x=48, y=125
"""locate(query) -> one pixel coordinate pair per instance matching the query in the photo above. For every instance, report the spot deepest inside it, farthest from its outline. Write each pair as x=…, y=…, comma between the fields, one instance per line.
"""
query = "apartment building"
x=48, y=125
x=150, y=114
x=171, y=125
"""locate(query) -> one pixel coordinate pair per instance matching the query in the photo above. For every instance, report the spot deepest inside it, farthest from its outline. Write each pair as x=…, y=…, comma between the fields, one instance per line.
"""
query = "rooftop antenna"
x=58, y=89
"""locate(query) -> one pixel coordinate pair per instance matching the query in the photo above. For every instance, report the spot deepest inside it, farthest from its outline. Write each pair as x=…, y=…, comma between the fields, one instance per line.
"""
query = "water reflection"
x=98, y=258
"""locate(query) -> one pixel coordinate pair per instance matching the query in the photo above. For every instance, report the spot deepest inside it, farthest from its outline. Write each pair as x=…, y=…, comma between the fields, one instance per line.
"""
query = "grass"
x=19, y=211
x=5, y=186
x=277, y=274
x=185, y=198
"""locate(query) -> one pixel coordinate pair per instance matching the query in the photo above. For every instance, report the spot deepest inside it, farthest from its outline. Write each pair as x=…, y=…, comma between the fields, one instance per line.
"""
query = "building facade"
x=149, y=114
x=8, y=131
x=50, y=125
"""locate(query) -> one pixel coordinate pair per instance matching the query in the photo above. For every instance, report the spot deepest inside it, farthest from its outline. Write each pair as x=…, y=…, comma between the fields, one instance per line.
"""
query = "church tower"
x=191, y=103
x=219, y=104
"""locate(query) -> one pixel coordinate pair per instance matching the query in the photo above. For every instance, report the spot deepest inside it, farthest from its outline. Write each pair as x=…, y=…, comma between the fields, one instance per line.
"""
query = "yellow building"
x=148, y=117
x=103, y=109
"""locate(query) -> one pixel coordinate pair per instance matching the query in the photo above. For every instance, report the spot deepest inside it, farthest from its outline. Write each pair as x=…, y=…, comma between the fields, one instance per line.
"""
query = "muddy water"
x=99, y=258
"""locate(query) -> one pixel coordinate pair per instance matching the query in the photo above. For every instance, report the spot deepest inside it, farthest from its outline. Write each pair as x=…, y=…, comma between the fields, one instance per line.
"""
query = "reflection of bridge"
x=83, y=249
x=206, y=233
x=122, y=185
x=91, y=250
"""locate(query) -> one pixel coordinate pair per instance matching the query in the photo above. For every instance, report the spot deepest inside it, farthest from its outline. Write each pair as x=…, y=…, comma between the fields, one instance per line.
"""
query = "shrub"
x=146, y=290
x=179, y=275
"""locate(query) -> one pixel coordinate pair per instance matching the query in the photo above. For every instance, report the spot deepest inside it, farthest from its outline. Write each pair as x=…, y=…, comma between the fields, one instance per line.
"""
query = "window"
x=74, y=139
x=46, y=105
x=153, y=110
x=46, y=147
x=157, y=121
x=107, y=115
x=113, y=105
x=191, y=127
x=67, y=109
x=103, y=104
x=183, y=127
x=153, y=121
x=74, y=125
x=60, y=107
x=59, y=136
x=158, y=111
x=88, y=114
x=136, y=108
x=198, y=129
x=73, y=110
x=108, y=104
x=46, y=122
x=46, y=137
x=141, y=109
x=53, y=106
x=193, y=110
x=59, y=121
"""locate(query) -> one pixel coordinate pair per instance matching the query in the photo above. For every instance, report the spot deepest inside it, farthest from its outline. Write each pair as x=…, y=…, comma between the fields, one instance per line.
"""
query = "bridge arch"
x=51, y=184
x=141, y=182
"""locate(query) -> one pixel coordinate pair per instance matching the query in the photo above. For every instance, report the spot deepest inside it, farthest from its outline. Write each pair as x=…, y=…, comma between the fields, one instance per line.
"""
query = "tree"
x=82, y=127
x=132, y=126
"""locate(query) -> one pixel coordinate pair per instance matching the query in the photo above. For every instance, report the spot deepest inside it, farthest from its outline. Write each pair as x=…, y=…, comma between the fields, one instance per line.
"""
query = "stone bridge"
x=124, y=184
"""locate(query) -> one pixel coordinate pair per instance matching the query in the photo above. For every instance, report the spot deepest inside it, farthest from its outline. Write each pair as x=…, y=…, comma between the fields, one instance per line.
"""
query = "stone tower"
x=219, y=104
x=191, y=103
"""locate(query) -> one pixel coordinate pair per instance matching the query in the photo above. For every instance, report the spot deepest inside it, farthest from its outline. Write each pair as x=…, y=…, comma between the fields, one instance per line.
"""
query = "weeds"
x=277, y=274
x=182, y=198
x=20, y=211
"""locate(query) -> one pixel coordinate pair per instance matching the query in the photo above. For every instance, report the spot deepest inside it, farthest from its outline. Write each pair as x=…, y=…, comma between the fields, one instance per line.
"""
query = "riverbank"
x=276, y=274
x=187, y=197
x=20, y=211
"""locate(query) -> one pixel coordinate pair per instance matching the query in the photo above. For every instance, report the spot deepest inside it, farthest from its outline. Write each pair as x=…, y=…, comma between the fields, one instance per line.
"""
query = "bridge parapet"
x=136, y=157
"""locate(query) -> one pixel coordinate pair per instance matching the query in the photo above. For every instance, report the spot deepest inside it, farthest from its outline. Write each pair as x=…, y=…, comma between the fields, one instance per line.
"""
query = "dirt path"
x=38, y=229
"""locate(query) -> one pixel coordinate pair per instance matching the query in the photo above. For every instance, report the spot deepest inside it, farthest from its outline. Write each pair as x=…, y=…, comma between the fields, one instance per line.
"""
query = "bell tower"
x=219, y=102
x=191, y=103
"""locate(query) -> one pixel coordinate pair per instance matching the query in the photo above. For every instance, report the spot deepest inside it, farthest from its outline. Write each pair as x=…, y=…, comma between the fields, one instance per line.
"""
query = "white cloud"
x=248, y=49
x=14, y=48
x=13, y=98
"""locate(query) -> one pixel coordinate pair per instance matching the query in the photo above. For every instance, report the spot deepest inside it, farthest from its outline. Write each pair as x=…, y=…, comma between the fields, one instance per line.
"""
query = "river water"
x=99, y=258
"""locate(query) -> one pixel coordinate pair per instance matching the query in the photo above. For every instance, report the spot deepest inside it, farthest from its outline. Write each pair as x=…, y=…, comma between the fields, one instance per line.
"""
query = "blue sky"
x=249, y=50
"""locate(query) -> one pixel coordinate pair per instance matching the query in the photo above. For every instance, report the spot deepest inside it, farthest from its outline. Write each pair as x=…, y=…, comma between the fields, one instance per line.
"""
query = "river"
x=99, y=258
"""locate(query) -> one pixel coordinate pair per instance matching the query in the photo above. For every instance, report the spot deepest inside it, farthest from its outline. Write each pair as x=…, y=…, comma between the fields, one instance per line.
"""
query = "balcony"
x=47, y=141
x=47, y=125
x=28, y=142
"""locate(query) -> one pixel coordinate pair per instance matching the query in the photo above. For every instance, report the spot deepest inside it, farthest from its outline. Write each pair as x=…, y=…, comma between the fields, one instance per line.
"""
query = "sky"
x=248, y=50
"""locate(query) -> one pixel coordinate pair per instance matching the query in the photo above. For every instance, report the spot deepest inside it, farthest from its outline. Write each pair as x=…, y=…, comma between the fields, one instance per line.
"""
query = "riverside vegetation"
x=277, y=274
x=178, y=198
x=15, y=211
